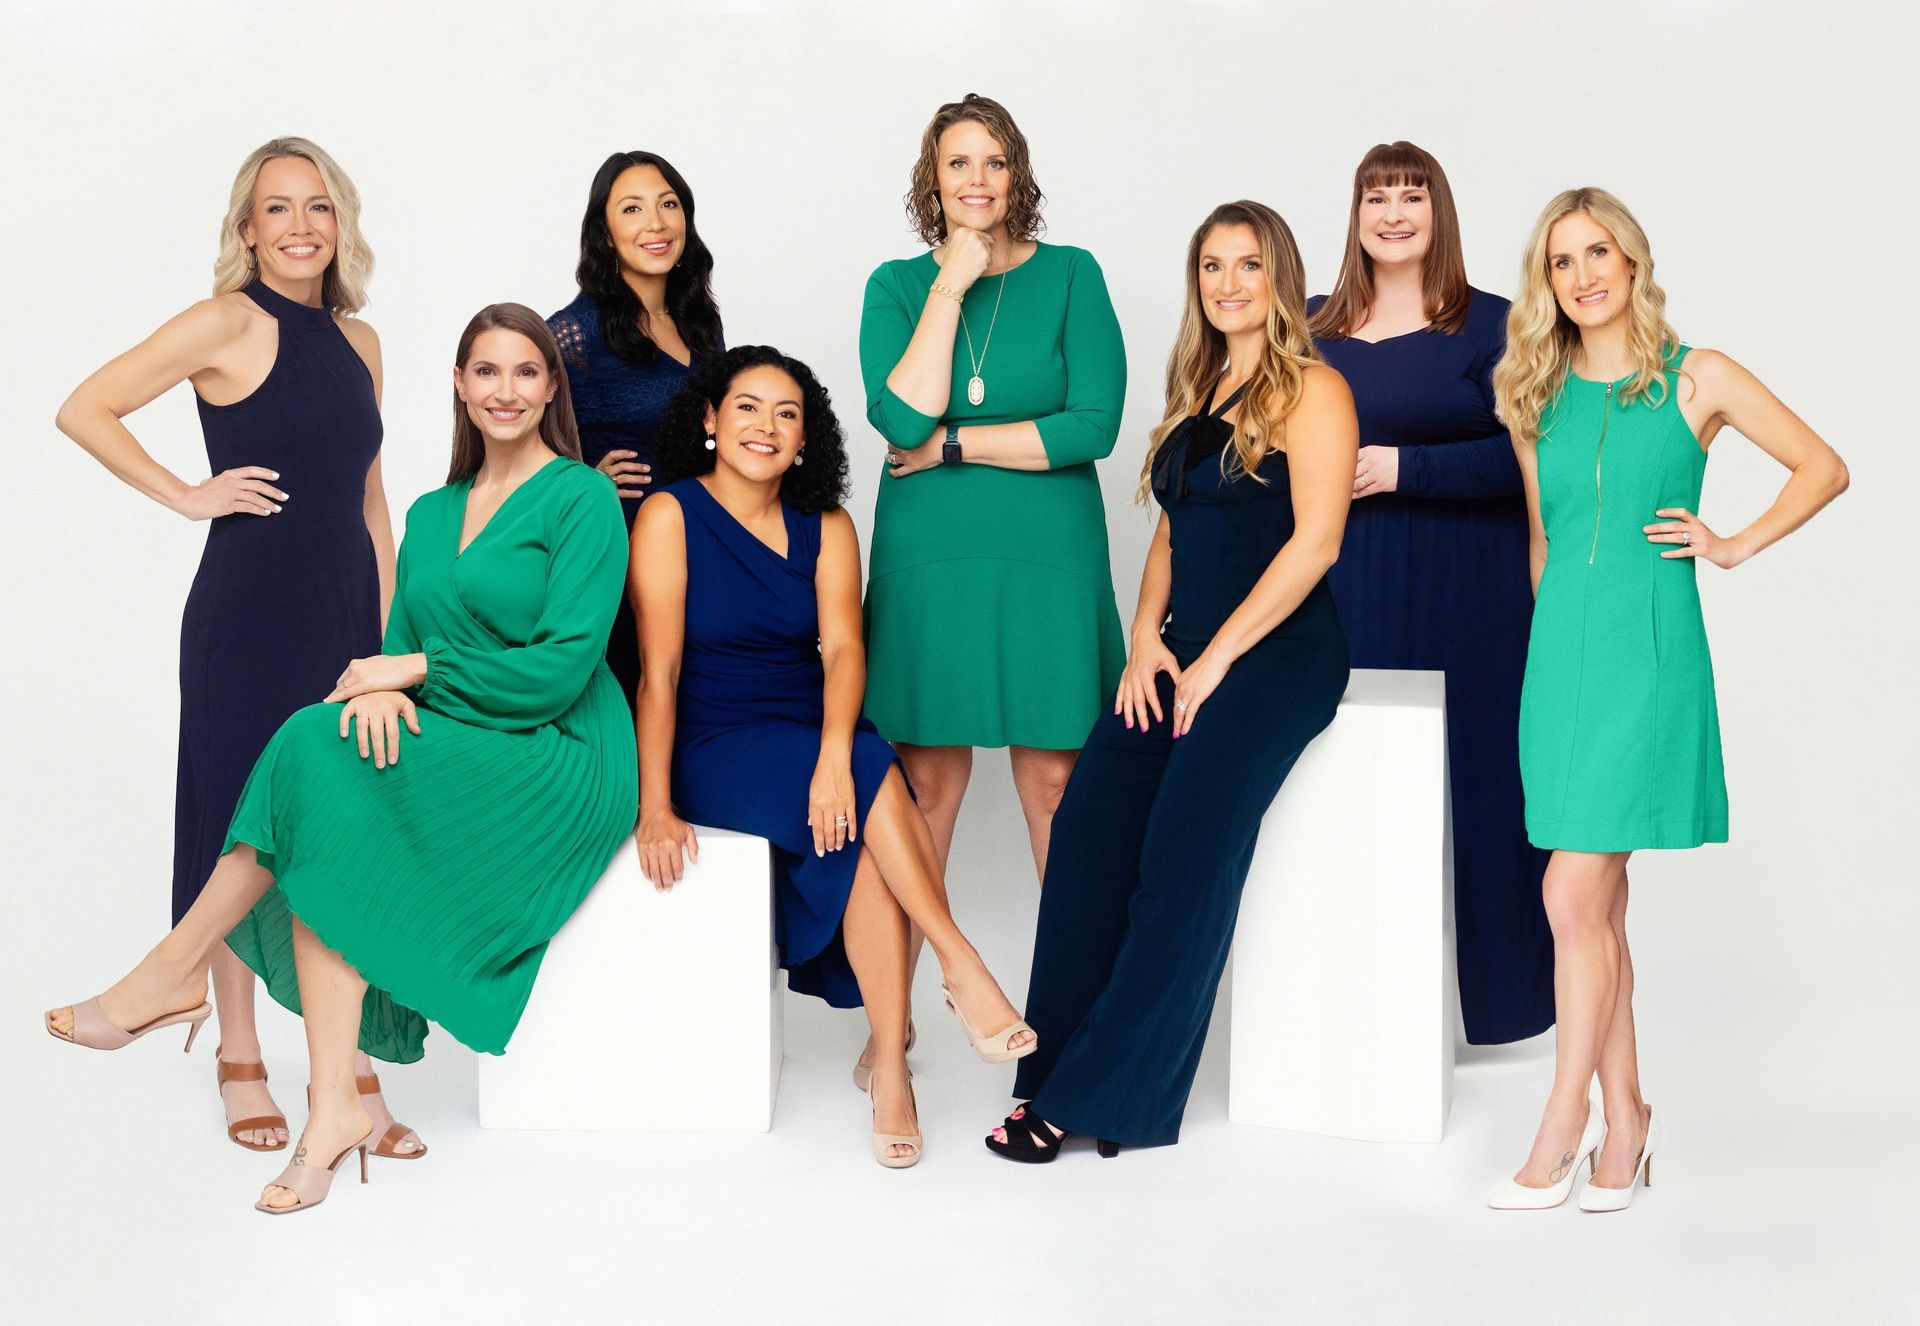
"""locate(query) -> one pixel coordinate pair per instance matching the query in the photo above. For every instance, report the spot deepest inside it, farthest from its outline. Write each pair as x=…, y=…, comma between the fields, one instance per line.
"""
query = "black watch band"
x=950, y=449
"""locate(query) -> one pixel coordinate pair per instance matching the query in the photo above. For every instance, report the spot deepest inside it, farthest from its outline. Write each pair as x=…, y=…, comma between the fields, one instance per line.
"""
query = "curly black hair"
x=689, y=285
x=680, y=447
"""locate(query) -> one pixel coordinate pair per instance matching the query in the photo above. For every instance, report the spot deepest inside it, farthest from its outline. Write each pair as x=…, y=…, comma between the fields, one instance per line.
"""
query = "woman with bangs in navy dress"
x=749, y=714
x=643, y=321
x=1433, y=574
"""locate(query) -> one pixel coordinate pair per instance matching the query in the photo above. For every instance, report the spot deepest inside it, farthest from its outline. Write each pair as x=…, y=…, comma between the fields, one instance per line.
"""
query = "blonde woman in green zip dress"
x=1612, y=417
x=994, y=370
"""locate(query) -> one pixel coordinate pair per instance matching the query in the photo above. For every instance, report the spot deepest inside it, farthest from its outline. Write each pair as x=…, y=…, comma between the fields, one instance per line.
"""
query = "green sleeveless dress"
x=1619, y=732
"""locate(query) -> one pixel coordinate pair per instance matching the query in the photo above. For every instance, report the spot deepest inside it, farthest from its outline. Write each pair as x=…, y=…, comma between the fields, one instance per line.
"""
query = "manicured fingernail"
x=276, y=474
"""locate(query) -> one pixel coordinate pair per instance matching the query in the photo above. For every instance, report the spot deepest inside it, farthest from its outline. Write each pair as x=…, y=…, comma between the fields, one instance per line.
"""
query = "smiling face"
x=1591, y=277
x=292, y=230
x=972, y=175
x=1395, y=223
x=505, y=385
x=1232, y=278
x=647, y=220
x=759, y=426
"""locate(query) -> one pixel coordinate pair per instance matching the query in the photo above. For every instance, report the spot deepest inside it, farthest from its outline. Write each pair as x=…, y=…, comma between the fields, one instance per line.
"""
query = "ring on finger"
x=1686, y=537
x=1181, y=705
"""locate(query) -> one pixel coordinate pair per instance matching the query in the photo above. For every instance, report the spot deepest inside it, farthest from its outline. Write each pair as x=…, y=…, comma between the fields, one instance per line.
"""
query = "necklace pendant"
x=976, y=389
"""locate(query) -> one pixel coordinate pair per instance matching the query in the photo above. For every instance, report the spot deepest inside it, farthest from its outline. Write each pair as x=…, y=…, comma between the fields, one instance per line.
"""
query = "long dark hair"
x=680, y=447
x=623, y=320
x=1443, y=271
x=557, y=428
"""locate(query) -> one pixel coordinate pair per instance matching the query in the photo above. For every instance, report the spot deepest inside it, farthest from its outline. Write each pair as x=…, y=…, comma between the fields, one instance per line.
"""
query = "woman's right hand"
x=629, y=476
x=661, y=838
x=248, y=490
x=1139, y=693
x=967, y=254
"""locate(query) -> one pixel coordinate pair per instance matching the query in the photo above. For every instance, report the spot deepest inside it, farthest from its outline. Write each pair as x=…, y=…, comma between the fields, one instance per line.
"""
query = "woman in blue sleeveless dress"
x=749, y=714
x=643, y=320
x=299, y=555
x=1238, y=661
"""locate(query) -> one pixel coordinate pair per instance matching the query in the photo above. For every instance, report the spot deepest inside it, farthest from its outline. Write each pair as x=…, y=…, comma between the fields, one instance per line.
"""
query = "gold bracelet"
x=949, y=292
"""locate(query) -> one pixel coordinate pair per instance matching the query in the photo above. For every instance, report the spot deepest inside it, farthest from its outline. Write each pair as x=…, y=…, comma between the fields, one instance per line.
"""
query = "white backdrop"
x=1749, y=139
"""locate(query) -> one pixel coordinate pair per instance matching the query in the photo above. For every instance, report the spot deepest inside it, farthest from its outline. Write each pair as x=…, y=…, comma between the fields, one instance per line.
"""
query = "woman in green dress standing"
x=1611, y=418
x=372, y=893
x=995, y=372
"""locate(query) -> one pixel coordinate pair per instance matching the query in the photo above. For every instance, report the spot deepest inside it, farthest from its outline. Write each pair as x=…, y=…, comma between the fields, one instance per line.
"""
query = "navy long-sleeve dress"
x=1434, y=576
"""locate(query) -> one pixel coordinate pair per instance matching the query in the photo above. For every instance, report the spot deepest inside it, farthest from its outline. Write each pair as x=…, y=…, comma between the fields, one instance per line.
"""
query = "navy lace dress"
x=619, y=405
x=1434, y=576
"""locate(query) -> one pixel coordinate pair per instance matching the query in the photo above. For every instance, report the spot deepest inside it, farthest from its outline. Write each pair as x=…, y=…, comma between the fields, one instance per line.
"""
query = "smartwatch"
x=950, y=449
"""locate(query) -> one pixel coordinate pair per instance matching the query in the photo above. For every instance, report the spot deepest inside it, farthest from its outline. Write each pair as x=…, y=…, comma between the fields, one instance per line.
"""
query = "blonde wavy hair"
x=1541, y=339
x=344, y=288
x=1200, y=351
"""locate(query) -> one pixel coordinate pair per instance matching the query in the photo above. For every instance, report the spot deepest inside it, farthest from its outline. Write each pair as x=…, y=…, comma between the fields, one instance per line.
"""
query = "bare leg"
x=1627, y=1113
x=1580, y=891
x=875, y=932
x=173, y=976
x=1040, y=776
x=330, y=995
x=233, y=1000
x=939, y=776
x=899, y=842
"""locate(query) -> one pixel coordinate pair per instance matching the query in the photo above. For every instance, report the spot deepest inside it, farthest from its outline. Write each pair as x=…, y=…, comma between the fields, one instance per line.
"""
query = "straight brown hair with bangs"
x=557, y=428
x=1443, y=275
x=1024, y=199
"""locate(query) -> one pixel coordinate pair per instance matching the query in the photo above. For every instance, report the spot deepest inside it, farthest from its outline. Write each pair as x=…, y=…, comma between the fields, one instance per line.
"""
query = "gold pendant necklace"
x=976, y=387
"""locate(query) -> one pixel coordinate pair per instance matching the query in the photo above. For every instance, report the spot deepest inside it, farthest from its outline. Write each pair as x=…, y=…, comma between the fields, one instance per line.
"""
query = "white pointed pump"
x=1594, y=1198
x=1511, y=1196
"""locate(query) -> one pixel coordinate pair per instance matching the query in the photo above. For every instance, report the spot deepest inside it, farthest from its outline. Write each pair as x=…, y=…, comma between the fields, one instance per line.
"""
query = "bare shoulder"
x=837, y=533
x=219, y=318
x=1710, y=376
x=360, y=335
x=1324, y=395
x=660, y=516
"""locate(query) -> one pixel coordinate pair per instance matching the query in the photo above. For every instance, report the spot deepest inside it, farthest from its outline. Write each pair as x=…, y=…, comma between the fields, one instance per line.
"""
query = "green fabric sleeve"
x=886, y=325
x=526, y=686
x=1096, y=373
x=401, y=638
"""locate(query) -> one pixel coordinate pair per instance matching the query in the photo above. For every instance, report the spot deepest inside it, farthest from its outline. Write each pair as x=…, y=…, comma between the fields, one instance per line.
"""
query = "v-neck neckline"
x=461, y=549
x=740, y=525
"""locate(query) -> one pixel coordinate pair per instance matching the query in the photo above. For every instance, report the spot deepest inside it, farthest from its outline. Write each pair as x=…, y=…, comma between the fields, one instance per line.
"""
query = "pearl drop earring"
x=711, y=444
x=799, y=459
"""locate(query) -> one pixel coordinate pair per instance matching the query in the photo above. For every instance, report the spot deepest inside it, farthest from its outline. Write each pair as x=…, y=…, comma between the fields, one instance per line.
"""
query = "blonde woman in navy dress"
x=298, y=567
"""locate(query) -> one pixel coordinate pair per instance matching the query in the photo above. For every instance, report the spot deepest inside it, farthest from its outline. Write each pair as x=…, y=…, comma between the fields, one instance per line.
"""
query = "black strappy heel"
x=1031, y=1140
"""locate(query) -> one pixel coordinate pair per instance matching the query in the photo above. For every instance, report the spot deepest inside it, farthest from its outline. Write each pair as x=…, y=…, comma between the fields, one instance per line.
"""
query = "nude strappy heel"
x=310, y=1183
x=997, y=1048
x=881, y=1141
x=93, y=1031
x=863, y=1073
x=224, y=1073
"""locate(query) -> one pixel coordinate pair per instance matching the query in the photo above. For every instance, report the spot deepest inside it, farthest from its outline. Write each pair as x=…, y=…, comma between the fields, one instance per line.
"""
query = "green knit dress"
x=990, y=614
x=442, y=877
x=1619, y=731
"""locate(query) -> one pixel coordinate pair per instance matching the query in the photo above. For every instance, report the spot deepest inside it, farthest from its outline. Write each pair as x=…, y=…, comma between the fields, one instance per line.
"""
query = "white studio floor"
x=124, y=1203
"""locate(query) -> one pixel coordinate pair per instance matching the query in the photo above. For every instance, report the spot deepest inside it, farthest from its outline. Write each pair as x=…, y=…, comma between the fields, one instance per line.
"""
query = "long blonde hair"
x=344, y=288
x=1541, y=339
x=1200, y=352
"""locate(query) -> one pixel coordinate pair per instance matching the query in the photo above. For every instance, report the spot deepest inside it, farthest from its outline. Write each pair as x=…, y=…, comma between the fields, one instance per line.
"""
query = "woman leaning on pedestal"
x=995, y=372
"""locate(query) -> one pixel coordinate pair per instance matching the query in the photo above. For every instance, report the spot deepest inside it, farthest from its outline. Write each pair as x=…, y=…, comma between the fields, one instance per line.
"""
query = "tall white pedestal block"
x=1343, y=970
x=653, y=1012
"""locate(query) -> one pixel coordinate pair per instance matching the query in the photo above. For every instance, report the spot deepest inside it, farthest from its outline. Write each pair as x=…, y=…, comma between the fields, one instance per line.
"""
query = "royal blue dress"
x=1434, y=576
x=280, y=603
x=618, y=404
x=746, y=734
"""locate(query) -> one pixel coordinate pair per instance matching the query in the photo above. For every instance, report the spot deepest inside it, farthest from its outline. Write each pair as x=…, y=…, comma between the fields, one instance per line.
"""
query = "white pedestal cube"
x=1343, y=998
x=653, y=1012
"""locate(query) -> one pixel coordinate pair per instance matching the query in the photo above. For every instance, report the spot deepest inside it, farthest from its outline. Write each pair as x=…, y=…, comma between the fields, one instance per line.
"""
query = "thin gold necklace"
x=976, y=388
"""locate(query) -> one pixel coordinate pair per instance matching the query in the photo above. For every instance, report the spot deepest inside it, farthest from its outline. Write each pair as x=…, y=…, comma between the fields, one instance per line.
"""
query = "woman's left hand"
x=382, y=672
x=1681, y=526
x=830, y=806
x=902, y=461
x=1376, y=471
x=1193, y=688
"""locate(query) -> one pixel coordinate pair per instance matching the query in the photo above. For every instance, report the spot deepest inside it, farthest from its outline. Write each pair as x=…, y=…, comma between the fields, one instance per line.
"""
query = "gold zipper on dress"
x=1598, y=452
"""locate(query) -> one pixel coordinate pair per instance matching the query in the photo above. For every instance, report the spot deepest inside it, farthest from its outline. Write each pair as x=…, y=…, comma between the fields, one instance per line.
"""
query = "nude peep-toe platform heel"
x=311, y=1183
x=881, y=1141
x=92, y=1030
x=996, y=1047
x=863, y=1073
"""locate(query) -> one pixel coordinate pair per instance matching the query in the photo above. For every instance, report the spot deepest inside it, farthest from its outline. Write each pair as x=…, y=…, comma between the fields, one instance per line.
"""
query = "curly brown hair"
x=1024, y=199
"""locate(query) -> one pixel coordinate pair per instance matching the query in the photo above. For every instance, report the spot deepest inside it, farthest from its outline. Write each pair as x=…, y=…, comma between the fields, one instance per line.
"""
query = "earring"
x=711, y=444
x=799, y=458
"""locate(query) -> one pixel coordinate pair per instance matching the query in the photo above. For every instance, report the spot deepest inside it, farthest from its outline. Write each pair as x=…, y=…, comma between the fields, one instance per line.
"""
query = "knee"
x=938, y=780
x=1044, y=780
x=1578, y=906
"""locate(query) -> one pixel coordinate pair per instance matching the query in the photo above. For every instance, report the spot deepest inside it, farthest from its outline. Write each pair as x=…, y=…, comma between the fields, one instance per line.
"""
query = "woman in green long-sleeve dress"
x=1612, y=417
x=371, y=892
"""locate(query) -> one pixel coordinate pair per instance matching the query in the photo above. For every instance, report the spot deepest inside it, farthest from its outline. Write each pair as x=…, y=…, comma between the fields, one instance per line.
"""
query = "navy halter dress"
x=280, y=603
x=752, y=697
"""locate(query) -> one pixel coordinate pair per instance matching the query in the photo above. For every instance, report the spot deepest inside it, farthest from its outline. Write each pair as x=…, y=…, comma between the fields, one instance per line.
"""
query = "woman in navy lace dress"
x=641, y=324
